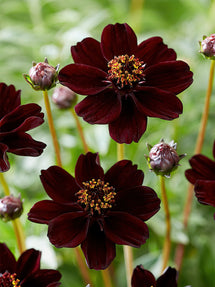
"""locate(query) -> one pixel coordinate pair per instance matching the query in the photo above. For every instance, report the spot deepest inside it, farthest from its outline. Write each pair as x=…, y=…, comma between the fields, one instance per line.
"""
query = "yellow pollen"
x=96, y=196
x=9, y=280
x=125, y=71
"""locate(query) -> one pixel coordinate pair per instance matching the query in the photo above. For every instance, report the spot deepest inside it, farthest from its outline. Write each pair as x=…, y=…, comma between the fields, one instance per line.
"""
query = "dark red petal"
x=158, y=103
x=88, y=167
x=141, y=201
x=124, y=175
x=118, y=39
x=98, y=250
x=168, y=278
x=24, y=144
x=46, y=210
x=42, y=278
x=124, y=228
x=174, y=76
x=21, y=119
x=9, y=99
x=153, y=51
x=4, y=163
x=205, y=191
x=89, y=52
x=142, y=278
x=130, y=125
x=83, y=79
x=59, y=184
x=7, y=259
x=203, y=167
x=102, y=108
x=68, y=230
x=29, y=261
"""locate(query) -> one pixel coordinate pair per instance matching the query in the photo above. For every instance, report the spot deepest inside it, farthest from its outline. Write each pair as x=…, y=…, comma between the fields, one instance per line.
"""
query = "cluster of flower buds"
x=163, y=158
x=208, y=46
x=10, y=207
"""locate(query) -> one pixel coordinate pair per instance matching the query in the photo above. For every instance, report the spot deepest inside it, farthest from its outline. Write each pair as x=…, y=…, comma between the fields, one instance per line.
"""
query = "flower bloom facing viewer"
x=202, y=176
x=125, y=82
x=15, y=121
x=95, y=209
x=25, y=272
x=144, y=278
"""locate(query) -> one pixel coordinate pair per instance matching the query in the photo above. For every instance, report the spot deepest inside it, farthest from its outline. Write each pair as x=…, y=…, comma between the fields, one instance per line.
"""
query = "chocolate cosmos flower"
x=144, y=278
x=96, y=209
x=124, y=82
x=202, y=176
x=15, y=120
x=25, y=272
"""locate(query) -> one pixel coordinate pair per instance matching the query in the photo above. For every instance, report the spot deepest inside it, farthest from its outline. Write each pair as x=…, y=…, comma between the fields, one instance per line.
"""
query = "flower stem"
x=167, y=243
x=199, y=143
x=106, y=278
x=128, y=254
x=80, y=130
x=52, y=128
x=18, y=230
x=83, y=267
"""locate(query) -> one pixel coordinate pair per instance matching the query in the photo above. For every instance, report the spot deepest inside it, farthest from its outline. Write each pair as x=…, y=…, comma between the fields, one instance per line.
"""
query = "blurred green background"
x=31, y=30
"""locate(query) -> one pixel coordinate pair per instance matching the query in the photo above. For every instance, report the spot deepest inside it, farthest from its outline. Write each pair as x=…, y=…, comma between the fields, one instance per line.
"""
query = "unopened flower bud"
x=42, y=76
x=64, y=98
x=208, y=46
x=163, y=158
x=10, y=207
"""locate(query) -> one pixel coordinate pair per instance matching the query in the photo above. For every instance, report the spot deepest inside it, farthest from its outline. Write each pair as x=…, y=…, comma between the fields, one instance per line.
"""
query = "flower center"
x=125, y=71
x=9, y=280
x=96, y=196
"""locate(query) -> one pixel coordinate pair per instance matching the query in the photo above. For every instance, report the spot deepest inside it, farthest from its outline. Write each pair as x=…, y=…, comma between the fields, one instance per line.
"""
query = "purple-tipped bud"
x=42, y=76
x=208, y=46
x=163, y=158
x=64, y=98
x=10, y=207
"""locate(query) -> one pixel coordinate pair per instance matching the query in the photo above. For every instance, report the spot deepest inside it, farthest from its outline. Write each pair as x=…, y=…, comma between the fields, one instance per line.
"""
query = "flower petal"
x=88, y=167
x=158, y=103
x=98, y=250
x=117, y=40
x=83, y=79
x=89, y=52
x=42, y=278
x=9, y=99
x=59, y=184
x=46, y=210
x=28, y=262
x=168, y=278
x=68, y=230
x=7, y=259
x=174, y=76
x=124, y=228
x=205, y=191
x=142, y=277
x=23, y=144
x=153, y=51
x=124, y=175
x=4, y=163
x=102, y=108
x=141, y=201
x=130, y=125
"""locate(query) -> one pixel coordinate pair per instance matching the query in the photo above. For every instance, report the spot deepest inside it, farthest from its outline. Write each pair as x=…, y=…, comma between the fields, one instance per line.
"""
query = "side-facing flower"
x=15, y=121
x=144, y=278
x=125, y=82
x=202, y=176
x=95, y=209
x=25, y=272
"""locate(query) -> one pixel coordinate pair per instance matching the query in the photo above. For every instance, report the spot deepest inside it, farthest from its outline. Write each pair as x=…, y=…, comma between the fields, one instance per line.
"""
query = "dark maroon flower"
x=144, y=278
x=25, y=272
x=125, y=82
x=96, y=209
x=202, y=176
x=15, y=121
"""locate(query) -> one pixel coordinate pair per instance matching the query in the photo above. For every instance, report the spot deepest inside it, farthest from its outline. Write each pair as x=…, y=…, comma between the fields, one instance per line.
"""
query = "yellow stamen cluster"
x=9, y=280
x=125, y=71
x=96, y=196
